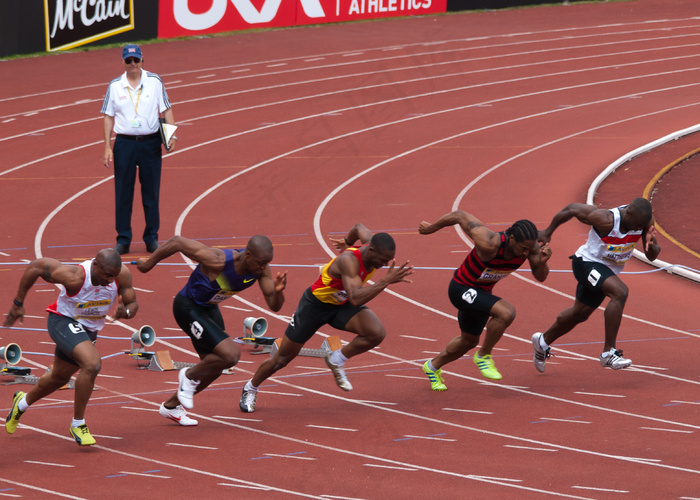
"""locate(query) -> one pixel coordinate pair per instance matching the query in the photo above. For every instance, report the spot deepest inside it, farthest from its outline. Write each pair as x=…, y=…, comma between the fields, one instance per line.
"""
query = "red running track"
x=298, y=134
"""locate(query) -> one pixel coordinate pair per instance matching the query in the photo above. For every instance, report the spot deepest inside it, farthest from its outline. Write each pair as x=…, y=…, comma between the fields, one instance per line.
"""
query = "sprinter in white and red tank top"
x=596, y=264
x=90, y=290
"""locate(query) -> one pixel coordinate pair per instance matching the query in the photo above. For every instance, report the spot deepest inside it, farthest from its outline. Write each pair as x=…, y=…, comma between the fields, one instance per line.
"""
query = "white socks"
x=22, y=405
x=250, y=387
x=337, y=358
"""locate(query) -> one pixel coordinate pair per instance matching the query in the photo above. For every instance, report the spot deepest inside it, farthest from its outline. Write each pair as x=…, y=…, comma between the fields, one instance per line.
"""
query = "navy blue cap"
x=131, y=50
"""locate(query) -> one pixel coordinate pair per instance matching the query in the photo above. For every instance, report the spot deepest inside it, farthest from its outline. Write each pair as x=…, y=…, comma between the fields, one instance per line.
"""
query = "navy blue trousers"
x=147, y=156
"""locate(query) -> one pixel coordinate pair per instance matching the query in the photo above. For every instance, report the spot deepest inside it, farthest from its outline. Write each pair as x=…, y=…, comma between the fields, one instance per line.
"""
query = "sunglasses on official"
x=129, y=60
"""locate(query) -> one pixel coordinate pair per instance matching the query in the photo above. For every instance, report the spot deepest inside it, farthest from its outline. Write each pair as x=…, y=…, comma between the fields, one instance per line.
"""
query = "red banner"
x=331, y=11
x=195, y=17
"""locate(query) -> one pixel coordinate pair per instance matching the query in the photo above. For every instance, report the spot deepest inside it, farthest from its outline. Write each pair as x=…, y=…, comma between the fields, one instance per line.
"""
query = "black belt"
x=139, y=137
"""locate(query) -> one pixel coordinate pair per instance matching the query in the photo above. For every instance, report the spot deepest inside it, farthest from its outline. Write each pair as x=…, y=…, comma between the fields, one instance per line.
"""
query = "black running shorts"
x=474, y=306
x=204, y=325
x=590, y=277
x=68, y=333
x=312, y=314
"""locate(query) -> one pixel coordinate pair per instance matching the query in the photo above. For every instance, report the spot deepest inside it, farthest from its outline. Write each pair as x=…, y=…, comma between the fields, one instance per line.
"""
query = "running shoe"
x=487, y=366
x=435, y=377
x=247, y=403
x=178, y=414
x=187, y=389
x=540, y=356
x=340, y=378
x=82, y=435
x=614, y=360
x=13, y=417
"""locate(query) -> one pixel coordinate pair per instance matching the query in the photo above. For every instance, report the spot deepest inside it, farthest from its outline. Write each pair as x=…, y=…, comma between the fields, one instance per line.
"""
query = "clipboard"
x=166, y=132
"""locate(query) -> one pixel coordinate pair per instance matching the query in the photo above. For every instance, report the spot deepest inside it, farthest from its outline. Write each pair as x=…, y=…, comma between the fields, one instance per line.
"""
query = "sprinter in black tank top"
x=495, y=255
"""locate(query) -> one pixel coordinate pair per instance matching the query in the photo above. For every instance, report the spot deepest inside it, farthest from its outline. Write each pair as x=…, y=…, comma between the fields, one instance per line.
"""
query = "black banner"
x=71, y=23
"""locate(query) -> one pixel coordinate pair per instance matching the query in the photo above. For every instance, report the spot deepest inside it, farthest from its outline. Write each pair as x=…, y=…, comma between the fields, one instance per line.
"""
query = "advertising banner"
x=189, y=17
x=186, y=18
x=331, y=11
x=71, y=23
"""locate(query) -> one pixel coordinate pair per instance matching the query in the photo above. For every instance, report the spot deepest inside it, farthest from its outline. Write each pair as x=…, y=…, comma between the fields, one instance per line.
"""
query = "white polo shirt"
x=136, y=110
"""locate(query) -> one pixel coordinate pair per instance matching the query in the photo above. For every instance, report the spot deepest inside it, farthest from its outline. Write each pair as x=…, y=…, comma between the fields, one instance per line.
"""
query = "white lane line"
x=597, y=394
x=191, y=446
x=390, y=467
x=430, y=438
x=331, y=428
x=47, y=463
x=237, y=418
x=288, y=456
x=527, y=448
x=666, y=430
x=507, y=479
x=418, y=338
x=605, y=490
x=469, y=411
x=144, y=475
x=249, y=487
x=565, y=420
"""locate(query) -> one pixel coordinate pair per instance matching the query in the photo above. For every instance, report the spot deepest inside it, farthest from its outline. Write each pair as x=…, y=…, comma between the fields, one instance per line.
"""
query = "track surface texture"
x=300, y=133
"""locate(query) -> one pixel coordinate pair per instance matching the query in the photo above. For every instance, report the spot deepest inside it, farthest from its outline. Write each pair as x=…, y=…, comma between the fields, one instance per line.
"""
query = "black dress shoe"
x=121, y=248
x=152, y=247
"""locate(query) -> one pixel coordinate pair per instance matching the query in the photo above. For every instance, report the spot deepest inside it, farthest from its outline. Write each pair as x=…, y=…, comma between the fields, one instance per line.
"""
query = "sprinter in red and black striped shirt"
x=495, y=256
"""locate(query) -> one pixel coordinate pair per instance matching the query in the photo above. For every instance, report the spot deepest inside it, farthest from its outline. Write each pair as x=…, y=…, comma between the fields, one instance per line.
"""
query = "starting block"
x=328, y=345
x=161, y=361
x=23, y=376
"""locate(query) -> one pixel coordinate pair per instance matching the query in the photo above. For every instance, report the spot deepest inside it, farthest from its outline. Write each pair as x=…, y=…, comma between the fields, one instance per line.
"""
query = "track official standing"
x=131, y=108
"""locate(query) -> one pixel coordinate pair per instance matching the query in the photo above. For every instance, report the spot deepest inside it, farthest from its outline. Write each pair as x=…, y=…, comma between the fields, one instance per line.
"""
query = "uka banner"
x=190, y=17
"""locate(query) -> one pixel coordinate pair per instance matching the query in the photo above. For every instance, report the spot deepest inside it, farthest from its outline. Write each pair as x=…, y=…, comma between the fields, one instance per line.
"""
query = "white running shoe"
x=178, y=414
x=340, y=378
x=540, y=356
x=187, y=389
x=247, y=402
x=614, y=360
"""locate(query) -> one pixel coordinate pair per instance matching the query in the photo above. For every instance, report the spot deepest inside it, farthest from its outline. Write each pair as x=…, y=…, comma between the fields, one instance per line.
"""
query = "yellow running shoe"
x=435, y=377
x=82, y=435
x=487, y=367
x=13, y=417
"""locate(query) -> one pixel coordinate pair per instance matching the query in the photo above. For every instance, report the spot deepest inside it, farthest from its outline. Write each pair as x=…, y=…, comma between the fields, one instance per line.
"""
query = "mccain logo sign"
x=71, y=23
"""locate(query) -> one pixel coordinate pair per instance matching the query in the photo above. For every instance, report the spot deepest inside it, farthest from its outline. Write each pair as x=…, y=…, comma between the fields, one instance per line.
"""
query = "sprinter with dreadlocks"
x=494, y=256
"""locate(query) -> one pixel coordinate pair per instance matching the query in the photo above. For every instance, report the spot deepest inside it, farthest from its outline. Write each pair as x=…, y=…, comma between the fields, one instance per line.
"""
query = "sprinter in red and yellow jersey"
x=337, y=298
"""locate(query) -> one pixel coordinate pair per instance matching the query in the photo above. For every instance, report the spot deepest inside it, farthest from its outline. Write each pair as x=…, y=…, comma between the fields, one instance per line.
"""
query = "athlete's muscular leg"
x=89, y=361
x=567, y=320
x=287, y=351
x=369, y=333
x=614, y=288
x=456, y=348
x=502, y=316
x=52, y=380
x=226, y=354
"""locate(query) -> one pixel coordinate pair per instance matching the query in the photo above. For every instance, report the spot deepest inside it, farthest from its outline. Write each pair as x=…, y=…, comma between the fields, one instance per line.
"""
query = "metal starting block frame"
x=22, y=376
x=328, y=345
x=160, y=361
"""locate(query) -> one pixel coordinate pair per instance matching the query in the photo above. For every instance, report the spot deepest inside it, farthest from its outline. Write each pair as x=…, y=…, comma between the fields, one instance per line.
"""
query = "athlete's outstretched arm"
x=212, y=259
